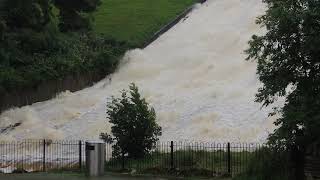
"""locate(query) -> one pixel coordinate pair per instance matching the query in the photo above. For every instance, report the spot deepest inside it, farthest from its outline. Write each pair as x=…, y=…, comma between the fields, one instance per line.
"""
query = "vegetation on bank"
x=37, y=45
x=288, y=65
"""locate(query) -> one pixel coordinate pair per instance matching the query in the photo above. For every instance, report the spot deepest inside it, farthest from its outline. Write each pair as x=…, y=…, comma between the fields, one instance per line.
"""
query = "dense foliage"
x=32, y=14
x=71, y=17
x=267, y=163
x=134, y=129
x=33, y=50
x=288, y=57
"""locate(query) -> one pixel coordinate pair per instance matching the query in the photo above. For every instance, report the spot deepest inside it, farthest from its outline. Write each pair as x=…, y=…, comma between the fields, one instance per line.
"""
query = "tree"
x=32, y=14
x=71, y=14
x=134, y=131
x=288, y=58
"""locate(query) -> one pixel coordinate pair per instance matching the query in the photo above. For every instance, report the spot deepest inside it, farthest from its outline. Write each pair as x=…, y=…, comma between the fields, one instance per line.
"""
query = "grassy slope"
x=136, y=20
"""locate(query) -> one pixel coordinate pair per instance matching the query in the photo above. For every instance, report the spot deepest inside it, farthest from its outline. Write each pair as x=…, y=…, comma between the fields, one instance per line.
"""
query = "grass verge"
x=135, y=21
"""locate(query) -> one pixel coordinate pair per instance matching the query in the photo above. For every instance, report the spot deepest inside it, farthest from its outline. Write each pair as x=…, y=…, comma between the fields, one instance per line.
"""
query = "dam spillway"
x=195, y=76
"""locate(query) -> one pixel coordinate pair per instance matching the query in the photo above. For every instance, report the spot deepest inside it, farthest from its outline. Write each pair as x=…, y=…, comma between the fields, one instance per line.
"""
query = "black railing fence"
x=210, y=159
x=41, y=155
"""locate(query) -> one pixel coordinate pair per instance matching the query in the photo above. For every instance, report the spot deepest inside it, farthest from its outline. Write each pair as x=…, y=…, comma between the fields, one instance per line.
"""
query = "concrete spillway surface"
x=195, y=76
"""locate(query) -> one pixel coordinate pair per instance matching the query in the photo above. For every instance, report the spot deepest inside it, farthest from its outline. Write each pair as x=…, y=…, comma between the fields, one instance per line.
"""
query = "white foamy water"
x=195, y=76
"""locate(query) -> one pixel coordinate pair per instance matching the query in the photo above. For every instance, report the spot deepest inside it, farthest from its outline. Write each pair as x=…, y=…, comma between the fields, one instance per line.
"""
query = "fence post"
x=229, y=159
x=80, y=155
x=122, y=161
x=44, y=156
x=171, y=155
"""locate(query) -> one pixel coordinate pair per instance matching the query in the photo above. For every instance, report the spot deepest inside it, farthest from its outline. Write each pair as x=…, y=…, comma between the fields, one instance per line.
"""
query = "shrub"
x=268, y=163
x=134, y=129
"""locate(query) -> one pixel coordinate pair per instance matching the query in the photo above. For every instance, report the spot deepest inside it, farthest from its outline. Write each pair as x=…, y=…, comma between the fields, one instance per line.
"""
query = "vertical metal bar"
x=44, y=156
x=122, y=160
x=214, y=158
x=57, y=153
x=30, y=147
x=221, y=161
x=206, y=155
x=14, y=158
x=80, y=155
x=14, y=155
x=246, y=156
x=171, y=155
x=175, y=144
x=22, y=154
x=37, y=145
x=186, y=149
x=69, y=145
x=229, y=159
x=6, y=153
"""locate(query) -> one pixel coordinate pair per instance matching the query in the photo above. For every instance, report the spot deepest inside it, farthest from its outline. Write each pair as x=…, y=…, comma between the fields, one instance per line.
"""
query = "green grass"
x=135, y=21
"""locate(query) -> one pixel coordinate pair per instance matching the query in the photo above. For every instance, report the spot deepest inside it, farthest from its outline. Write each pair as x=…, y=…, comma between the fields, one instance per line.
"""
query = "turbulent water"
x=194, y=75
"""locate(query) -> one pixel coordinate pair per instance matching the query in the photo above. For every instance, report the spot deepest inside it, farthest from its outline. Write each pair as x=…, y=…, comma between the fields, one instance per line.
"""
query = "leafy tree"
x=134, y=129
x=27, y=25
x=288, y=58
x=33, y=50
x=71, y=13
x=33, y=14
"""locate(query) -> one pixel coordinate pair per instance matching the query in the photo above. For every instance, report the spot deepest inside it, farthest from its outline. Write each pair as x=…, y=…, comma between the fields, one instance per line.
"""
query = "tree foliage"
x=71, y=14
x=288, y=57
x=134, y=129
x=33, y=14
x=33, y=50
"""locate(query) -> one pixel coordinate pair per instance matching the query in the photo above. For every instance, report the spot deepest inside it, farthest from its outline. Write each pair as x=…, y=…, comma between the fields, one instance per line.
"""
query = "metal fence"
x=41, y=155
x=208, y=159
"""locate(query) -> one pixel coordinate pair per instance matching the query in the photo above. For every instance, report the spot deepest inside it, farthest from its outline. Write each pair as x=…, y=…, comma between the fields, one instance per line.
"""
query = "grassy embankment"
x=135, y=21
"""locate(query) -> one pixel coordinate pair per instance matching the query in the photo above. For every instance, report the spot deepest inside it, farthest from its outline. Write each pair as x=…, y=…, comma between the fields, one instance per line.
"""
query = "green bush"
x=268, y=164
x=32, y=14
x=33, y=50
x=134, y=128
x=73, y=14
x=74, y=54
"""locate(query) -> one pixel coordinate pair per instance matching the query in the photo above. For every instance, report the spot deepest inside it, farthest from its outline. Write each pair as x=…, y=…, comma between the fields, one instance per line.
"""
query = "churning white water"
x=195, y=76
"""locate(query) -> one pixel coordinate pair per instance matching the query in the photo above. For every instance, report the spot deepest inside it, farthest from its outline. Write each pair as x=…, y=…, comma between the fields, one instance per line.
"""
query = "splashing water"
x=195, y=76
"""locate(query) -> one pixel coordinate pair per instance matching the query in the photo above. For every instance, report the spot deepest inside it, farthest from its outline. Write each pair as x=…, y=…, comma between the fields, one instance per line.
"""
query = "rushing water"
x=195, y=76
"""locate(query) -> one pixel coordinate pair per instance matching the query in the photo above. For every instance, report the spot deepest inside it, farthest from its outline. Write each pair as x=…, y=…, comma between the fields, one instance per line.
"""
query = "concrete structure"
x=95, y=158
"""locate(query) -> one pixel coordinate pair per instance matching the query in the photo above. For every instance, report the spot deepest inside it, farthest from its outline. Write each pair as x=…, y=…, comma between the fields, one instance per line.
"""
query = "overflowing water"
x=194, y=75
